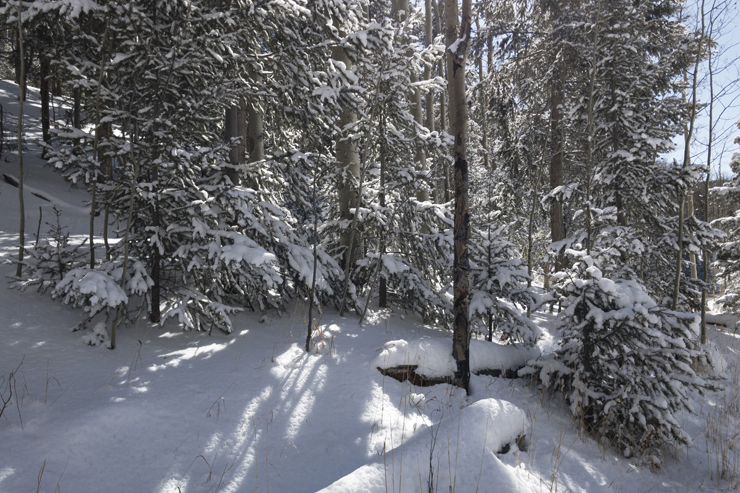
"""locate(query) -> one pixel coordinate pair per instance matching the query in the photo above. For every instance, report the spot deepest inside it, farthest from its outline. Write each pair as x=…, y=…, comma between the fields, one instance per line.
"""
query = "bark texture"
x=348, y=160
x=21, y=98
x=457, y=35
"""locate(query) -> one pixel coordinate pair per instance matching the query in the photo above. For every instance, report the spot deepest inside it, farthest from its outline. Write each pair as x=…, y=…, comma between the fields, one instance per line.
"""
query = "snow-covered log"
x=428, y=361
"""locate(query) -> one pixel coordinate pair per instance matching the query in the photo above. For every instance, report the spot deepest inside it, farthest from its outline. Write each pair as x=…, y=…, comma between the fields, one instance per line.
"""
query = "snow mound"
x=476, y=434
x=716, y=359
x=728, y=319
x=433, y=356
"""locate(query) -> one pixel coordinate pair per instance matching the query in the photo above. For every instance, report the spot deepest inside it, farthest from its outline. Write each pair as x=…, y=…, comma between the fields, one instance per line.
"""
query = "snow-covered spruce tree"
x=624, y=363
x=51, y=257
x=406, y=240
x=505, y=193
x=301, y=97
x=163, y=92
x=728, y=256
x=624, y=98
x=301, y=184
x=638, y=100
x=500, y=295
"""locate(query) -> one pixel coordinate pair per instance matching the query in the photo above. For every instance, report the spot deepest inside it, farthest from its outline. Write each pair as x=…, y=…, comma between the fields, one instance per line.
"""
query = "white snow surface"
x=472, y=436
x=433, y=356
x=170, y=411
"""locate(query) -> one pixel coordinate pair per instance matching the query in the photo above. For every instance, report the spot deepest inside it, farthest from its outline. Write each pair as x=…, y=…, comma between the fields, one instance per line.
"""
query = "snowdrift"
x=461, y=450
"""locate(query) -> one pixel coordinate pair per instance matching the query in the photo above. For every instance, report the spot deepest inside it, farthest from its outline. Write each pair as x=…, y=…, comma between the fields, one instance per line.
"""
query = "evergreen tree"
x=624, y=362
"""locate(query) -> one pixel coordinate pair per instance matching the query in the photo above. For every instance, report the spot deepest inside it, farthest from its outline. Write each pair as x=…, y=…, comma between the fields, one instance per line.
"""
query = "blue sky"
x=726, y=88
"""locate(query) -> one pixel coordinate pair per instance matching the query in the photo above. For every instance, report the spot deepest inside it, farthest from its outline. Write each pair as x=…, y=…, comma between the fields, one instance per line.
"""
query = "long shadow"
x=313, y=419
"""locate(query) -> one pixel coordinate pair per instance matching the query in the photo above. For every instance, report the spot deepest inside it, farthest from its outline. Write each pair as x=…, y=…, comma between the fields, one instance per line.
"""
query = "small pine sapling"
x=500, y=295
x=624, y=362
x=50, y=260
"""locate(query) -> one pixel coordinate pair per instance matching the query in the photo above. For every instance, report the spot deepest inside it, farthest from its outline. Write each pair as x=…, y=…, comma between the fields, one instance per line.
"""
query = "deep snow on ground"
x=173, y=411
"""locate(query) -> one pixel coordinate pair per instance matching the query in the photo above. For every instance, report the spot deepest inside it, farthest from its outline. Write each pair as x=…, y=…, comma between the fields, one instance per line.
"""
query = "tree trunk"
x=127, y=232
x=76, y=117
x=557, y=229
x=420, y=158
x=314, y=205
x=382, y=287
x=96, y=153
x=686, y=162
x=44, y=93
x=255, y=148
x=155, y=314
x=530, y=227
x=590, y=136
x=615, y=135
x=348, y=162
x=256, y=133
x=241, y=130
x=482, y=103
x=428, y=38
x=692, y=256
x=445, y=182
x=417, y=109
x=458, y=33
x=21, y=63
x=705, y=253
x=21, y=98
x=106, y=170
x=231, y=131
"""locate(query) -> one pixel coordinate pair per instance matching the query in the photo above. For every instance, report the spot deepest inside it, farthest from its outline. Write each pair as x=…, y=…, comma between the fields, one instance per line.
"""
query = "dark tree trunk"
x=44, y=90
x=241, y=131
x=21, y=204
x=156, y=261
x=76, y=119
x=557, y=229
x=231, y=132
x=382, y=287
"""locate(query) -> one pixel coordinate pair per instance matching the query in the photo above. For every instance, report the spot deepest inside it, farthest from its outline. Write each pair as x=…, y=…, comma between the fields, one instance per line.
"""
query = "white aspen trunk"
x=705, y=252
x=348, y=162
x=428, y=37
x=457, y=37
x=686, y=161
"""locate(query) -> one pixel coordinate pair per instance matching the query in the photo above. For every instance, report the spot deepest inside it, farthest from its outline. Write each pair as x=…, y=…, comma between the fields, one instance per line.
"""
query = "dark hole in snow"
x=408, y=373
x=12, y=181
x=521, y=443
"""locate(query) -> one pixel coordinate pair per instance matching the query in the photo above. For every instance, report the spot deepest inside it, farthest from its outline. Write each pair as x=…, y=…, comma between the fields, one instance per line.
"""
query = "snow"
x=98, y=336
x=243, y=250
x=97, y=289
x=471, y=438
x=728, y=320
x=456, y=45
x=170, y=411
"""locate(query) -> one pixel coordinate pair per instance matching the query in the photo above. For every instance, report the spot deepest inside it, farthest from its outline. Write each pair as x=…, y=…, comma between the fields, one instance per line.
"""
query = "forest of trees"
x=469, y=162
